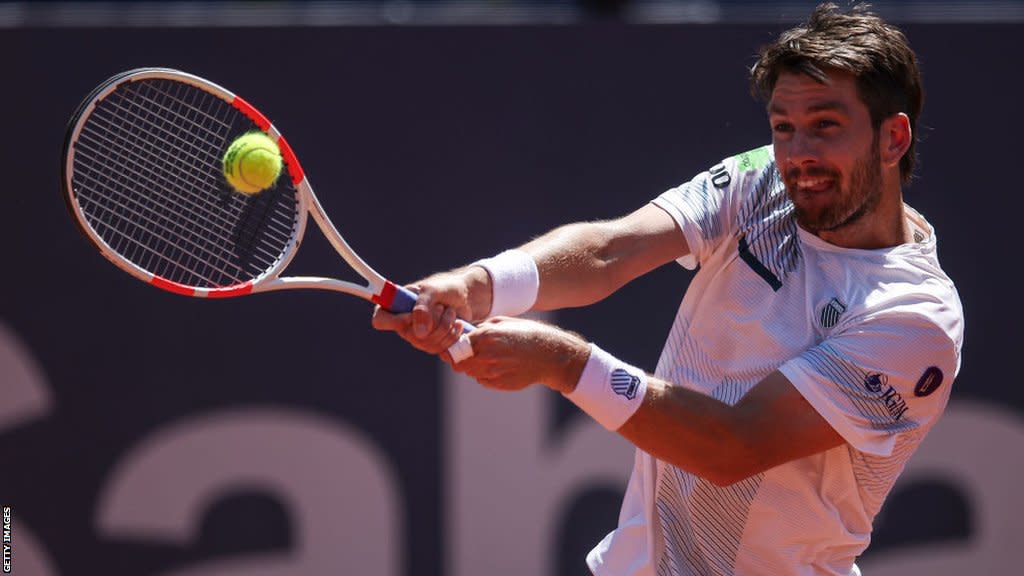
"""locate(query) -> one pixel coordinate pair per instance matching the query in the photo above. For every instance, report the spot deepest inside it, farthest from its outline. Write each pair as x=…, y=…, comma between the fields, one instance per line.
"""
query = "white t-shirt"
x=872, y=340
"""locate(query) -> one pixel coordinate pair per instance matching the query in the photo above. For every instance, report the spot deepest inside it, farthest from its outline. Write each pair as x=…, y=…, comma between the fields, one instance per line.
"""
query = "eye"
x=826, y=123
x=782, y=127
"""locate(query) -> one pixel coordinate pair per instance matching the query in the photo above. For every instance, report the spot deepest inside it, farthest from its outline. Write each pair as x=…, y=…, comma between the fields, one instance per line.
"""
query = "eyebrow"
x=828, y=105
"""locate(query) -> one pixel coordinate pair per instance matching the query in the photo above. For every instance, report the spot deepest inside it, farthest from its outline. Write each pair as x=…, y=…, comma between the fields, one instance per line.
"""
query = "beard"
x=858, y=199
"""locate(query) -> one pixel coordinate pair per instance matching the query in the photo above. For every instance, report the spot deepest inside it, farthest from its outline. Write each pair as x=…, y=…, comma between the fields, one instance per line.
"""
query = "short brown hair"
x=858, y=42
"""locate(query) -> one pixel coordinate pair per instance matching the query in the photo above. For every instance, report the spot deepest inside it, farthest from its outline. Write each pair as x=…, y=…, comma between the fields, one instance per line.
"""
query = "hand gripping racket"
x=142, y=176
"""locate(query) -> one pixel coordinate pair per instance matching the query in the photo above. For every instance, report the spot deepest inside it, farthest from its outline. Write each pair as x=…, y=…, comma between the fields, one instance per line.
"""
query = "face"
x=826, y=150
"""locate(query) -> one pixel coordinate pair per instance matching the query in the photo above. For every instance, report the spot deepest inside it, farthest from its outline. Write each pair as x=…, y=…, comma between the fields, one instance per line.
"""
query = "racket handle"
x=404, y=300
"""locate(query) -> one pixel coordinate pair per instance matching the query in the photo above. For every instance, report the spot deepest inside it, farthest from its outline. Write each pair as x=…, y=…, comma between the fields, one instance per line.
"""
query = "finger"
x=482, y=369
x=489, y=381
x=464, y=347
x=384, y=320
x=443, y=318
x=431, y=329
x=448, y=329
x=469, y=365
x=422, y=314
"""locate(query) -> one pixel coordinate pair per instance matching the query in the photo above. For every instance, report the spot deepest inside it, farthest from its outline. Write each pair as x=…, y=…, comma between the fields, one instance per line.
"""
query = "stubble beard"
x=859, y=199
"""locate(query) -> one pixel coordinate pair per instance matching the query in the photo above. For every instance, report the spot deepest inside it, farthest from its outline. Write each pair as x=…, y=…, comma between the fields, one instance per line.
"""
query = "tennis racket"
x=142, y=177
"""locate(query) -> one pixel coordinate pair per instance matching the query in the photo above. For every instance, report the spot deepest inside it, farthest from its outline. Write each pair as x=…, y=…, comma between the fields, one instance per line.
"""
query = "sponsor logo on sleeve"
x=720, y=176
x=929, y=381
x=755, y=159
x=878, y=384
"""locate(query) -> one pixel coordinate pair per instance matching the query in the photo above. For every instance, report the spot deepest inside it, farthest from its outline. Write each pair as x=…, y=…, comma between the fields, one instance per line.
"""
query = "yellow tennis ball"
x=252, y=163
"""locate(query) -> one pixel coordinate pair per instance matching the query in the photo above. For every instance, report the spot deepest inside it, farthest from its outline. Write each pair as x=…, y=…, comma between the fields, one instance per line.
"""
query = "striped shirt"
x=871, y=339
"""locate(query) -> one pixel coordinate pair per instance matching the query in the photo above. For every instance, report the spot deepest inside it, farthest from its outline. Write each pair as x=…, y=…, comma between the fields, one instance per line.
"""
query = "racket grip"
x=404, y=300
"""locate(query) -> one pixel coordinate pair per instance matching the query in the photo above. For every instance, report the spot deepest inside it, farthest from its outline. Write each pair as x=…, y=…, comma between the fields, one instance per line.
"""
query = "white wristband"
x=514, y=282
x=609, y=390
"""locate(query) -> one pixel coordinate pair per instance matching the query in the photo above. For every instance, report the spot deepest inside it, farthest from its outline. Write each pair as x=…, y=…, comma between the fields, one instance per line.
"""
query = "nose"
x=801, y=150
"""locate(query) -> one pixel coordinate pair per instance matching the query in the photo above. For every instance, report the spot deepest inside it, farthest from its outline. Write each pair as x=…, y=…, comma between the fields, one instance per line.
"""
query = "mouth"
x=810, y=186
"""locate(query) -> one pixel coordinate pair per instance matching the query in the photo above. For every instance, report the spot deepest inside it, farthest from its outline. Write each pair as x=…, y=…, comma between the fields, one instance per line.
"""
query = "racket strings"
x=147, y=175
x=137, y=128
x=150, y=139
x=148, y=136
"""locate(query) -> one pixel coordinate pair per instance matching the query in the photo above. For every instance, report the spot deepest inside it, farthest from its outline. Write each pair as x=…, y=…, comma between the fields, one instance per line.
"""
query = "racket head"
x=142, y=177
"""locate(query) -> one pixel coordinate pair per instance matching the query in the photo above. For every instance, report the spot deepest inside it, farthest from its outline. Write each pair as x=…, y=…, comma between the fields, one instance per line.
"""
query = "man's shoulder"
x=740, y=167
x=759, y=159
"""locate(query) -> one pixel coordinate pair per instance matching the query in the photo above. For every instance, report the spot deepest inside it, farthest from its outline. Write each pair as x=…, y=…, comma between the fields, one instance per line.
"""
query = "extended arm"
x=578, y=264
x=770, y=425
x=583, y=263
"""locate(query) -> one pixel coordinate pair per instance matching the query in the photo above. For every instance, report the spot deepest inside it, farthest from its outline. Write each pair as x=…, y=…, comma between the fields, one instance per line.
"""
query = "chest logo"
x=831, y=312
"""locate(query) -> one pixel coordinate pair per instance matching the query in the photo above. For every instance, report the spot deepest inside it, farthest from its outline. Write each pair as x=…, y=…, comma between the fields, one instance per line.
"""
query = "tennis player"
x=813, y=351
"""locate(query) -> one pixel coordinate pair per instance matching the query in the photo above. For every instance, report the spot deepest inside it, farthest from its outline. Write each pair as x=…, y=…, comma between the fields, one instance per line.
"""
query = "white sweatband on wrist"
x=609, y=390
x=514, y=282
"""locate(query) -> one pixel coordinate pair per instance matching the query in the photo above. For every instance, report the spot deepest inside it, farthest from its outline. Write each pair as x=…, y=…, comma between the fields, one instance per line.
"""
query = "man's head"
x=876, y=54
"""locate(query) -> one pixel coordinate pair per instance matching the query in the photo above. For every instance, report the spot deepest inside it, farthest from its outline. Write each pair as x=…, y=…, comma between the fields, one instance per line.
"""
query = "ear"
x=895, y=139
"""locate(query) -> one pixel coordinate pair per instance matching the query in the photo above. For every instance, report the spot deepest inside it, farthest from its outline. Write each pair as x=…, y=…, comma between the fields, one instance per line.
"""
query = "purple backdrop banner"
x=143, y=432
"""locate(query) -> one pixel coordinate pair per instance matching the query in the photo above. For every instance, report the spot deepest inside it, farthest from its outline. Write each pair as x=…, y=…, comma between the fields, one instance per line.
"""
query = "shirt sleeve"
x=705, y=208
x=888, y=375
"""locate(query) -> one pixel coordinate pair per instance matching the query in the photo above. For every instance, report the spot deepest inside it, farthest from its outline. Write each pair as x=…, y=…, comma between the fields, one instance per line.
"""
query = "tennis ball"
x=252, y=163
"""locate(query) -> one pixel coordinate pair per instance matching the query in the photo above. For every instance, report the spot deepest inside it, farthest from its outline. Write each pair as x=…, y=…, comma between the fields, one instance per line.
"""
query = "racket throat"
x=385, y=298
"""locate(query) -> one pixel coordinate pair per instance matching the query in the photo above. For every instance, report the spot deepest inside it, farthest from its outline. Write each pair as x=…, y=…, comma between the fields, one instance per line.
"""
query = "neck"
x=884, y=227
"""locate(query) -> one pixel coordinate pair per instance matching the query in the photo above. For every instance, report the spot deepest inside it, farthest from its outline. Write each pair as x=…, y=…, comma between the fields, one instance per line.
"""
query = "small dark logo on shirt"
x=878, y=384
x=831, y=312
x=929, y=382
x=874, y=382
x=624, y=383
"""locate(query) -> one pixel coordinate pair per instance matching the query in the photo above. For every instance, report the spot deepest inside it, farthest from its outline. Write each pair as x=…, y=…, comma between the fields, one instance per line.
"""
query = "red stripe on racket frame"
x=163, y=283
x=386, y=296
x=294, y=169
x=172, y=286
x=252, y=113
x=240, y=290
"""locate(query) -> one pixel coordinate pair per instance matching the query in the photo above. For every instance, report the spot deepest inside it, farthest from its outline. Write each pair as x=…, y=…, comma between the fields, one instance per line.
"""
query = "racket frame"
x=377, y=289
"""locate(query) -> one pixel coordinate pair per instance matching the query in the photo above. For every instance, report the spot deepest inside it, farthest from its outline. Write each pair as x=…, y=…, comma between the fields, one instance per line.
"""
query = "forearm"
x=582, y=263
x=577, y=265
x=685, y=428
x=771, y=424
x=694, y=432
